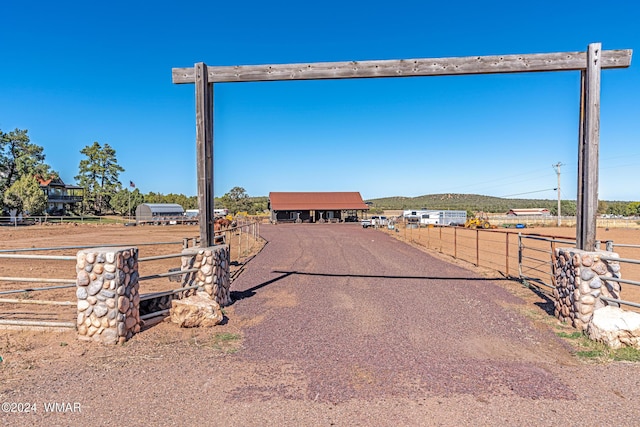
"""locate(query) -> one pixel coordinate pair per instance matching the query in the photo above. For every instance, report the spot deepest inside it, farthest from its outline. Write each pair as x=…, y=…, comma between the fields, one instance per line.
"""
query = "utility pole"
x=557, y=168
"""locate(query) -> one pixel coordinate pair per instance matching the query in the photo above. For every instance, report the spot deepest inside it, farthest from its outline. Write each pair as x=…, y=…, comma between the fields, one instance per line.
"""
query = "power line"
x=502, y=181
x=529, y=192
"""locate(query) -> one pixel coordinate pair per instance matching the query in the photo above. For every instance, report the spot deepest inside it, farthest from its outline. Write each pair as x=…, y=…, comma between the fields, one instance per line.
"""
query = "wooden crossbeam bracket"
x=526, y=63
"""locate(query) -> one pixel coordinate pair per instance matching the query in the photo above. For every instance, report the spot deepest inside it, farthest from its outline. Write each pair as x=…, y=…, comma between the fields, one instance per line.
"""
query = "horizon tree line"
x=23, y=162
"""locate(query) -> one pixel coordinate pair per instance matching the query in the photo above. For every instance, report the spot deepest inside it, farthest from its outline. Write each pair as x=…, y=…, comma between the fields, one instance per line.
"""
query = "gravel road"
x=340, y=326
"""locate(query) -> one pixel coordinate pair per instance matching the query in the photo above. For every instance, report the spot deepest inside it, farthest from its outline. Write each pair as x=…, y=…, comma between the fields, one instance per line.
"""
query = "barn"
x=315, y=206
x=160, y=213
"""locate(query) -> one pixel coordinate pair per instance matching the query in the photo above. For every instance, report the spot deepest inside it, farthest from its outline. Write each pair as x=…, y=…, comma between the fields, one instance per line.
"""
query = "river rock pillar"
x=213, y=275
x=580, y=281
x=108, y=294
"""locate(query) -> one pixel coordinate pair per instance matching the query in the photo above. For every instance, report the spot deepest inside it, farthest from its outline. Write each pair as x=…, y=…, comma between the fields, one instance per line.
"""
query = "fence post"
x=477, y=248
x=507, y=253
x=455, y=242
x=520, y=248
x=553, y=263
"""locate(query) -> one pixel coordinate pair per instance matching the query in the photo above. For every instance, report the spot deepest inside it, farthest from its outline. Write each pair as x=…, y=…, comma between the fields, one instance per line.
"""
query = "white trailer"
x=452, y=217
x=433, y=217
x=220, y=212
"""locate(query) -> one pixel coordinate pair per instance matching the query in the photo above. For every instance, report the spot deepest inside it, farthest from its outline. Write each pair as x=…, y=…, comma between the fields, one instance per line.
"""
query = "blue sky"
x=75, y=72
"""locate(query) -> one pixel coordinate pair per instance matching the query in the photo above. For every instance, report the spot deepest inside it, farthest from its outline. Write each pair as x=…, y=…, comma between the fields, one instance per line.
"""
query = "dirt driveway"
x=332, y=325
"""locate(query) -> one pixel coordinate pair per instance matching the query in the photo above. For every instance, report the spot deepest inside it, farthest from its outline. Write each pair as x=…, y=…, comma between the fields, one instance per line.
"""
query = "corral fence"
x=54, y=219
x=168, y=220
x=528, y=258
x=565, y=221
x=38, y=285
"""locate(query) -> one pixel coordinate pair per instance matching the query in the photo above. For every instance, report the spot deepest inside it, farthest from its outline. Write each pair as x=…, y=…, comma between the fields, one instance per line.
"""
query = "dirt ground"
x=492, y=249
x=150, y=240
x=250, y=383
x=494, y=245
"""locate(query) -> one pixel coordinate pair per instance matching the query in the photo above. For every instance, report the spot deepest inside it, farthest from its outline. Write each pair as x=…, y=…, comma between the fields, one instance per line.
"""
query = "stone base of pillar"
x=580, y=281
x=108, y=294
x=213, y=276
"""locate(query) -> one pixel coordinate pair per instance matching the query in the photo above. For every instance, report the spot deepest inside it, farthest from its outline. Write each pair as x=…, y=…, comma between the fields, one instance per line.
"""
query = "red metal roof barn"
x=315, y=206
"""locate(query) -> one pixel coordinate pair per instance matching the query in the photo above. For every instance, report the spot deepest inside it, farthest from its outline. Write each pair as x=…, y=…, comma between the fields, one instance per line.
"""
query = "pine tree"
x=20, y=157
x=25, y=195
x=98, y=174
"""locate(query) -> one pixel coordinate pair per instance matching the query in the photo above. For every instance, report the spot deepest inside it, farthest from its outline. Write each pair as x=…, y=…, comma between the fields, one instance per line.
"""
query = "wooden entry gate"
x=589, y=63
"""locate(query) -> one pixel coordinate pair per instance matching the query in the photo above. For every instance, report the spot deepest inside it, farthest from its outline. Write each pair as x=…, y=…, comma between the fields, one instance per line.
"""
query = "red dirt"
x=333, y=325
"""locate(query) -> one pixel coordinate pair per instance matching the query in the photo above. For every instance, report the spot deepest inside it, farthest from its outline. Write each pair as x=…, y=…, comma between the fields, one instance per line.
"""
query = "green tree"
x=617, y=208
x=187, y=202
x=236, y=200
x=152, y=197
x=258, y=204
x=633, y=208
x=602, y=206
x=98, y=174
x=567, y=208
x=20, y=157
x=26, y=196
x=125, y=202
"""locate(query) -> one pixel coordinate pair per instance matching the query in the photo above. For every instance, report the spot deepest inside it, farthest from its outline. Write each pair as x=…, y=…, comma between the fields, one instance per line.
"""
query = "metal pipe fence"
x=55, y=311
x=242, y=239
x=18, y=221
x=109, y=245
x=526, y=257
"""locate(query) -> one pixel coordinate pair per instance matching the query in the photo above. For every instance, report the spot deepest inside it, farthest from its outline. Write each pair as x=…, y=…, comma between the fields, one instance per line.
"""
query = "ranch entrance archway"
x=589, y=63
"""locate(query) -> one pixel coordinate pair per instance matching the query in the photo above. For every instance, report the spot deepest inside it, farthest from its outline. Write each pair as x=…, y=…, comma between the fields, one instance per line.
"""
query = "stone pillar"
x=578, y=285
x=213, y=276
x=108, y=294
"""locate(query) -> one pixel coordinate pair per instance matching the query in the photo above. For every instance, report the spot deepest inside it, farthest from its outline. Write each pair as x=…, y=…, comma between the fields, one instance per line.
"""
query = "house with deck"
x=61, y=198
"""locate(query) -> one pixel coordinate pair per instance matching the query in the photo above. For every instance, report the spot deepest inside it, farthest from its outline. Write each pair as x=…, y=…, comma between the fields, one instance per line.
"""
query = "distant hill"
x=468, y=202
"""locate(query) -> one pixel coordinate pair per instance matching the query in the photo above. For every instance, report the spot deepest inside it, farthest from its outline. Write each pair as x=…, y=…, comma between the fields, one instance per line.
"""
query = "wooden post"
x=204, y=152
x=477, y=248
x=520, y=250
x=455, y=242
x=579, y=214
x=507, y=253
x=428, y=237
x=589, y=141
x=553, y=263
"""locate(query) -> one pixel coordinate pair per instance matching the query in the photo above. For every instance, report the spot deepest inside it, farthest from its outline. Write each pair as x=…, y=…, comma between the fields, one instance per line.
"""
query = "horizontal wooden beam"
x=561, y=61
